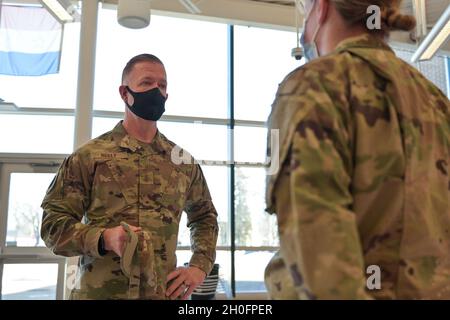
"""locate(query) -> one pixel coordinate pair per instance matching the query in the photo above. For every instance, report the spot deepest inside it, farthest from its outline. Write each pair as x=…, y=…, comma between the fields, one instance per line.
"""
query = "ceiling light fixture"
x=134, y=14
x=435, y=39
x=190, y=6
x=63, y=10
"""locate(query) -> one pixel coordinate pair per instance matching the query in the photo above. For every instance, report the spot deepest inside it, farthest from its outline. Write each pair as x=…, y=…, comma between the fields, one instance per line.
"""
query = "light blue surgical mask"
x=310, y=48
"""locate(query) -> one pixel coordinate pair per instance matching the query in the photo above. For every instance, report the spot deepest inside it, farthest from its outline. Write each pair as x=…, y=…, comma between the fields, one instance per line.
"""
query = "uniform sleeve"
x=64, y=206
x=202, y=222
x=319, y=236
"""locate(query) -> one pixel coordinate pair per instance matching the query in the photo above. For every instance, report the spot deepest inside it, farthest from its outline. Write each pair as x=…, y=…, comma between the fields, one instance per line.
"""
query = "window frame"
x=447, y=67
x=17, y=163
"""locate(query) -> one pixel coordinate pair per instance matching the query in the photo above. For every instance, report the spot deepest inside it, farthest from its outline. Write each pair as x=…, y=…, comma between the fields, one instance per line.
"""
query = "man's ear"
x=123, y=93
x=324, y=6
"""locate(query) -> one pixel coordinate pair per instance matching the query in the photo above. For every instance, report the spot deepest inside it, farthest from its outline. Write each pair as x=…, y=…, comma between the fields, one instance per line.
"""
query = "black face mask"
x=148, y=105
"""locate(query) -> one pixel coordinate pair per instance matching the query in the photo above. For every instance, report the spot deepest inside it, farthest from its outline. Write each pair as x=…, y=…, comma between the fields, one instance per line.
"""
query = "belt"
x=132, y=260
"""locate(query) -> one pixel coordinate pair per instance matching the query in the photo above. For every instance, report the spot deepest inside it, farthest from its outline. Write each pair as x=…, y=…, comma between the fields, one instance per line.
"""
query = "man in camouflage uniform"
x=364, y=174
x=117, y=202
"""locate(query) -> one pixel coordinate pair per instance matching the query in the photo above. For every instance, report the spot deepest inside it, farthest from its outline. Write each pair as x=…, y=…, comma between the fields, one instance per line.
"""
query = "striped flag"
x=30, y=41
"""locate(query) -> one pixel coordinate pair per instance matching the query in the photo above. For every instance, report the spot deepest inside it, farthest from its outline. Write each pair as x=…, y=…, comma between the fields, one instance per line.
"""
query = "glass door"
x=28, y=270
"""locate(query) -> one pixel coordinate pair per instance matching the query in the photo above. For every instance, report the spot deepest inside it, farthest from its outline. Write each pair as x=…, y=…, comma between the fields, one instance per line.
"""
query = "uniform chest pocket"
x=126, y=175
x=150, y=185
x=168, y=188
x=116, y=180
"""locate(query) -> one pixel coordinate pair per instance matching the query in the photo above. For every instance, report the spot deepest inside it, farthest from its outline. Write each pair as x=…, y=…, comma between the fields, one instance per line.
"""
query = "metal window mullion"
x=86, y=73
x=256, y=249
x=447, y=68
x=224, y=163
x=32, y=158
x=251, y=123
x=32, y=260
x=6, y=108
x=54, y=160
x=5, y=177
x=119, y=115
x=4, y=194
x=30, y=252
x=61, y=281
x=238, y=248
x=231, y=179
x=1, y=279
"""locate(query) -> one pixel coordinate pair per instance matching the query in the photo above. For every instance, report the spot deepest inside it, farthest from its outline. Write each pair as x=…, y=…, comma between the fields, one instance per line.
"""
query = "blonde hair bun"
x=397, y=21
x=355, y=12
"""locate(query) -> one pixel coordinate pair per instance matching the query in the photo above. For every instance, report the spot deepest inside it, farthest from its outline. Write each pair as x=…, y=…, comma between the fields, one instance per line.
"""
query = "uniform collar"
x=363, y=41
x=124, y=140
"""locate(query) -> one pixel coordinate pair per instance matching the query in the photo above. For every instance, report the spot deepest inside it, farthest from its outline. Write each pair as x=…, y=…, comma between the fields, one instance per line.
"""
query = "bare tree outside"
x=28, y=222
x=242, y=213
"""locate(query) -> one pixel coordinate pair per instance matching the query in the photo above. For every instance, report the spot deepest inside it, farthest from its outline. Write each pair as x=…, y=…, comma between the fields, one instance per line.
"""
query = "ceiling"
x=277, y=14
x=434, y=7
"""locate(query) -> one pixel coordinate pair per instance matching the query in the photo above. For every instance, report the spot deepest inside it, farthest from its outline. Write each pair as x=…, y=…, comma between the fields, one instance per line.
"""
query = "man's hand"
x=185, y=280
x=115, y=238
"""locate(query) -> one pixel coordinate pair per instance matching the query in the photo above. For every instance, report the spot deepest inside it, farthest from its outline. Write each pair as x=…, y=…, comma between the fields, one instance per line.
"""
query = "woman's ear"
x=324, y=6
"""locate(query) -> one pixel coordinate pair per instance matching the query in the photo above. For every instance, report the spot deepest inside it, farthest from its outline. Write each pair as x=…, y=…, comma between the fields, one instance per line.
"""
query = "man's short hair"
x=145, y=57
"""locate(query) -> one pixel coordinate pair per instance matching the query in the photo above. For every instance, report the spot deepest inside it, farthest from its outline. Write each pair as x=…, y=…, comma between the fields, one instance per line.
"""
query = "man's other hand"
x=183, y=281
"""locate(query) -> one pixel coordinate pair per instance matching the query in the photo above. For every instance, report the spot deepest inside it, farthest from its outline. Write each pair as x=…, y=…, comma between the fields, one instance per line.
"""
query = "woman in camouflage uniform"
x=362, y=192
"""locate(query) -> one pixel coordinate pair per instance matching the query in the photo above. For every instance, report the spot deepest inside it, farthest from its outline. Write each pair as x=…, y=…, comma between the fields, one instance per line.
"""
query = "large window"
x=215, y=177
x=203, y=141
x=434, y=70
x=447, y=63
x=262, y=60
x=29, y=281
x=24, y=212
x=194, y=54
x=28, y=271
x=36, y=123
x=50, y=91
x=197, y=83
x=24, y=133
x=254, y=227
x=250, y=144
x=41, y=125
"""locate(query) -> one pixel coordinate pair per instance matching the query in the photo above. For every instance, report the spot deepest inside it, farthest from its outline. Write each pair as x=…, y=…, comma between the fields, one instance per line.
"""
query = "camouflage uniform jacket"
x=363, y=178
x=115, y=178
